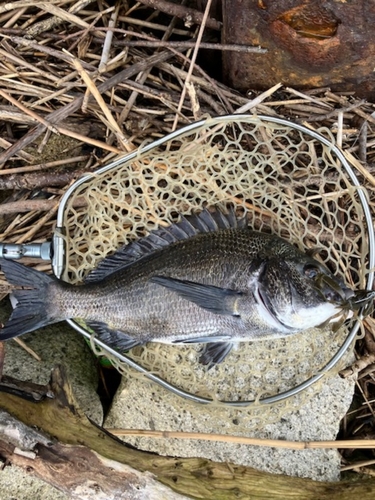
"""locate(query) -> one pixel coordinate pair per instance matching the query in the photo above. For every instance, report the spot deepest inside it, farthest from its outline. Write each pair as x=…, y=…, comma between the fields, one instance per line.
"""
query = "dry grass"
x=82, y=81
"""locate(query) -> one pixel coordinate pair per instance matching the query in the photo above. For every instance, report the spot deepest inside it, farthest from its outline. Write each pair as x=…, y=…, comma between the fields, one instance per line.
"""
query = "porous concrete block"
x=16, y=484
x=140, y=404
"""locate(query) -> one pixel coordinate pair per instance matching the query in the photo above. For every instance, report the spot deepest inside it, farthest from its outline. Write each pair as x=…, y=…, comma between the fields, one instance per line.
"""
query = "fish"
x=206, y=279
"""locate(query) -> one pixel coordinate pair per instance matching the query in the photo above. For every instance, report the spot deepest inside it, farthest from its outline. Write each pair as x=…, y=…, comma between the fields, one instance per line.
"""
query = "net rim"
x=58, y=245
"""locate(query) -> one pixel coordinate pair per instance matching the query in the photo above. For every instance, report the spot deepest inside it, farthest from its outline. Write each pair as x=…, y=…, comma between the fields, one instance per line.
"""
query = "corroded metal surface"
x=311, y=43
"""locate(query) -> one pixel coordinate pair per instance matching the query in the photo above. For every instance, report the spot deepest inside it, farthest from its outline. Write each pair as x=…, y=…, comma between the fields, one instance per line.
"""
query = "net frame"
x=60, y=242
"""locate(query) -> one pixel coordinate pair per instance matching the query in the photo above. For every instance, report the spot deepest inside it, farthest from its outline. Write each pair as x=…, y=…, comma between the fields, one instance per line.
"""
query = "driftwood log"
x=78, y=457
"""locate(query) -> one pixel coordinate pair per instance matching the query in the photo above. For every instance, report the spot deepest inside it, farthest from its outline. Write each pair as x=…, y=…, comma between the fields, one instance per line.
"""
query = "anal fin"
x=113, y=338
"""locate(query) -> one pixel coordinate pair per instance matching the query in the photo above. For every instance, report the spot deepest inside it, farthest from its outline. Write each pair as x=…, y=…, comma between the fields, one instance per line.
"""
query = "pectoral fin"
x=215, y=299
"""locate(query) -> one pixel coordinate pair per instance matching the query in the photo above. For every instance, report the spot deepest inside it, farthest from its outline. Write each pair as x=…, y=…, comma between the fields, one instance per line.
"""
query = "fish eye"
x=311, y=271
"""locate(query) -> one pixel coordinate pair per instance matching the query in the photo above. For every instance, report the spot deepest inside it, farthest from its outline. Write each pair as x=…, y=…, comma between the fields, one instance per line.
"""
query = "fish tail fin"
x=30, y=312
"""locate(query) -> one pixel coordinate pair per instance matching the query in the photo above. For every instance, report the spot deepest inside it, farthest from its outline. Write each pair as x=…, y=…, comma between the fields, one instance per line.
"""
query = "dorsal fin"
x=187, y=227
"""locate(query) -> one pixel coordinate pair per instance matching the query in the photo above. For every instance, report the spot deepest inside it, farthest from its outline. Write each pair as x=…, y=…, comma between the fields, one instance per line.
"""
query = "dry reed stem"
x=192, y=62
x=361, y=168
x=306, y=97
x=187, y=14
x=123, y=140
x=359, y=466
x=248, y=49
x=29, y=235
x=8, y=6
x=28, y=349
x=108, y=39
x=21, y=154
x=88, y=140
x=51, y=22
x=11, y=57
x=39, y=180
x=272, y=443
x=26, y=206
x=63, y=14
x=43, y=166
x=344, y=102
x=60, y=55
x=257, y=100
x=29, y=112
x=359, y=365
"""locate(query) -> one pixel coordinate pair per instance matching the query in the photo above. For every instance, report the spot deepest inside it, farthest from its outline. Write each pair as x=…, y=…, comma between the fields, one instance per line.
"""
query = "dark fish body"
x=206, y=279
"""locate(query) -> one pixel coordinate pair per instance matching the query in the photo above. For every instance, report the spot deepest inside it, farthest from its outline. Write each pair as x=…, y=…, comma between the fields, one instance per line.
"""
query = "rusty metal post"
x=311, y=43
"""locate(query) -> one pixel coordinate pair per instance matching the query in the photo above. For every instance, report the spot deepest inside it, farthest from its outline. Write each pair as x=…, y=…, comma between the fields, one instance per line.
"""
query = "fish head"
x=300, y=293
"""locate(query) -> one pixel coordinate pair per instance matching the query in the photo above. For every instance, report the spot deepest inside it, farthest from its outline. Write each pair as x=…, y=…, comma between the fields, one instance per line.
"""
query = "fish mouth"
x=333, y=291
x=358, y=301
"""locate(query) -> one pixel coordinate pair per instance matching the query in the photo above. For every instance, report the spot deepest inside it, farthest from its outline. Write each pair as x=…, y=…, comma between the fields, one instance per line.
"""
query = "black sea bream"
x=205, y=279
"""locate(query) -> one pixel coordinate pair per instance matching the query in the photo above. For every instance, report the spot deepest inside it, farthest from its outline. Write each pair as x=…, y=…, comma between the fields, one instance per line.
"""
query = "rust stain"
x=307, y=51
x=312, y=20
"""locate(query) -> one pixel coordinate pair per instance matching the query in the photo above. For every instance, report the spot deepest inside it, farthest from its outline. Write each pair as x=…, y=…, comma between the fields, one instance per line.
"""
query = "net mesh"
x=287, y=183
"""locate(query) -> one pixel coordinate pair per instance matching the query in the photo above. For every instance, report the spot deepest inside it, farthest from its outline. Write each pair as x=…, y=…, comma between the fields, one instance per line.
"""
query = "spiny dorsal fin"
x=187, y=227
